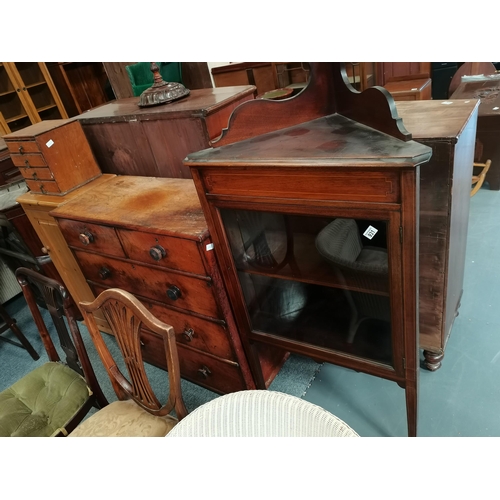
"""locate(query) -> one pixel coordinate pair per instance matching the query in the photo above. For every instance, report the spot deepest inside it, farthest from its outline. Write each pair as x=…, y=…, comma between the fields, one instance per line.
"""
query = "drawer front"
x=94, y=237
x=201, y=334
x=360, y=185
x=43, y=187
x=173, y=289
x=37, y=174
x=21, y=147
x=199, y=368
x=28, y=160
x=164, y=251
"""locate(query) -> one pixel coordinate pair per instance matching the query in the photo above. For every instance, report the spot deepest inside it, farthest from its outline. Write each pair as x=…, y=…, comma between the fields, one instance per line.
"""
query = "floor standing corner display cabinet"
x=315, y=224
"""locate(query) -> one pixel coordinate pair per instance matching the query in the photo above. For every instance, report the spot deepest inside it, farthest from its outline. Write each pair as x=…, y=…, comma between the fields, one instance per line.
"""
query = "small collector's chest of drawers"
x=53, y=156
x=149, y=236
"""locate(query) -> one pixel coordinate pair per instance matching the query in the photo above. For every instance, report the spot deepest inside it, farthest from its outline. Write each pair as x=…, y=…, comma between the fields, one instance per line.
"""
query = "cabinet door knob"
x=173, y=292
x=204, y=371
x=188, y=334
x=157, y=252
x=104, y=273
x=45, y=250
x=86, y=237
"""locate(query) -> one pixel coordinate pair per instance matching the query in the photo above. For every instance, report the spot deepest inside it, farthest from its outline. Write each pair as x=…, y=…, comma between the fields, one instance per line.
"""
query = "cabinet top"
x=151, y=204
x=429, y=119
x=201, y=102
x=38, y=129
x=330, y=141
x=484, y=87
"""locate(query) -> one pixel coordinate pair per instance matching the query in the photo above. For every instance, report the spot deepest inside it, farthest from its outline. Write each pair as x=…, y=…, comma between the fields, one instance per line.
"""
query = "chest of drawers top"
x=157, y=205
x=53, y=156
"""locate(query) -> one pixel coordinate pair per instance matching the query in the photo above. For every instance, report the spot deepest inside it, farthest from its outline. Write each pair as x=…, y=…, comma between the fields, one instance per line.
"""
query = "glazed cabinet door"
x=27, y=95
x=321, y=283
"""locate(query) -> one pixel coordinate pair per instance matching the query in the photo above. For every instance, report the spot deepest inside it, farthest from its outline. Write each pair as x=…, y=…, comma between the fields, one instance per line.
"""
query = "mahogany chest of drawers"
x=149, y=236
x=53, y=156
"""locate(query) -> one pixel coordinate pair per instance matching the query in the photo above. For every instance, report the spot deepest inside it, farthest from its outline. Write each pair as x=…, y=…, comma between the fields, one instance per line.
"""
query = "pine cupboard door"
x=28, y=95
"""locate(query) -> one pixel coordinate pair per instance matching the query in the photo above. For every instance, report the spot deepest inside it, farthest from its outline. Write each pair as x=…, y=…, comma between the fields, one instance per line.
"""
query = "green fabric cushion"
x=42, y=402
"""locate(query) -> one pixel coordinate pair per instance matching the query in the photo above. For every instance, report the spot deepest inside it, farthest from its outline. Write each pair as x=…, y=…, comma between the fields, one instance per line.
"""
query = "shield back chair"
x=137, y=412
x=52, y=399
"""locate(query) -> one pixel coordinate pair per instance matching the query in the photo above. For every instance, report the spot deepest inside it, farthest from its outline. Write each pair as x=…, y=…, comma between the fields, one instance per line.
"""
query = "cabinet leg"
x=411, y=407
x=433, y=360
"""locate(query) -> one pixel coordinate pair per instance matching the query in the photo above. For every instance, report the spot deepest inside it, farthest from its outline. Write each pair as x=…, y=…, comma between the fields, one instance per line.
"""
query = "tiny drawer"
x=93, y=237
x=22, y=147
x=37, y=174
x=43, y=187
x=202, y=369
x=173, y=289
x=297, y=186
x=165, y=251
x=27, y=161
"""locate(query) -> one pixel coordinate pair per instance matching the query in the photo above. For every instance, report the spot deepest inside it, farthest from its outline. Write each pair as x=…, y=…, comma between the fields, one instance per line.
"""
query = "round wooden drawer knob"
x=157, y=252
x=173, y=292
x=104, y=273
x=86, y=237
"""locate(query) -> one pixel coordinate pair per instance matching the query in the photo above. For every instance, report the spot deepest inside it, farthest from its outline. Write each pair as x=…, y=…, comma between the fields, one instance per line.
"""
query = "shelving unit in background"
x=27, y=96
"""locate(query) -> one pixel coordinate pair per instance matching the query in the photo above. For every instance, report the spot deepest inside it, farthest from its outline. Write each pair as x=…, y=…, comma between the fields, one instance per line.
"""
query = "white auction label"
x=370, y=232
x=49, y=143
x=210, y=246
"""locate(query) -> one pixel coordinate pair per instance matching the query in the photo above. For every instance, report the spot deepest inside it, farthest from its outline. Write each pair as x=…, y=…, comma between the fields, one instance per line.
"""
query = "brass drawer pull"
x=104, y=273
x=157, y=252
x=86, y=237
x=35, y=177
x=173, y=292
x=188, y=334
x=27, y=163
x=21, y=149
x=204, y=371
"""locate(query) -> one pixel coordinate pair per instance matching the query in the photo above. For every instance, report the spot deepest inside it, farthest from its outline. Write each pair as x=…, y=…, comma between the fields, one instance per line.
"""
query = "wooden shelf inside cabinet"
x=312, y=203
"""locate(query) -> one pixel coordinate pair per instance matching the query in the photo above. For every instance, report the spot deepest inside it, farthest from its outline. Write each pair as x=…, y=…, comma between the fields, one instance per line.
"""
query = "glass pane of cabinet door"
x=320, y=281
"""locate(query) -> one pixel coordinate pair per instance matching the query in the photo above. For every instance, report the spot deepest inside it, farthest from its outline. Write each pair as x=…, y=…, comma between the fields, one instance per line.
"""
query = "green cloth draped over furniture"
x=141, y=77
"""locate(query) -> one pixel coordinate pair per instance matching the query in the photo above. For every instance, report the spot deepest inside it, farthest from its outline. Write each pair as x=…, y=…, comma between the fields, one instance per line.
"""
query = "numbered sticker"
x=49, y=143
x=209, y=247
x=370, y=232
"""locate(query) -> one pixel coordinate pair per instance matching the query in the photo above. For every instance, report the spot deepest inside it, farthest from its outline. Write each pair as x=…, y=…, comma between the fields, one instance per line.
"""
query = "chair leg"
x=477, y=180
x=11, y=323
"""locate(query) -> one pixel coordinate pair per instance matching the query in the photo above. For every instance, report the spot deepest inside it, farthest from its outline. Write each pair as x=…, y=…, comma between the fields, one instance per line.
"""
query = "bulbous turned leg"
x=433, y=360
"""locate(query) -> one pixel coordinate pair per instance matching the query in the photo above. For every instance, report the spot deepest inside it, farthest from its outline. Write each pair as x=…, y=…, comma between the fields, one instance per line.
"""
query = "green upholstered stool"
x=43, y=402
